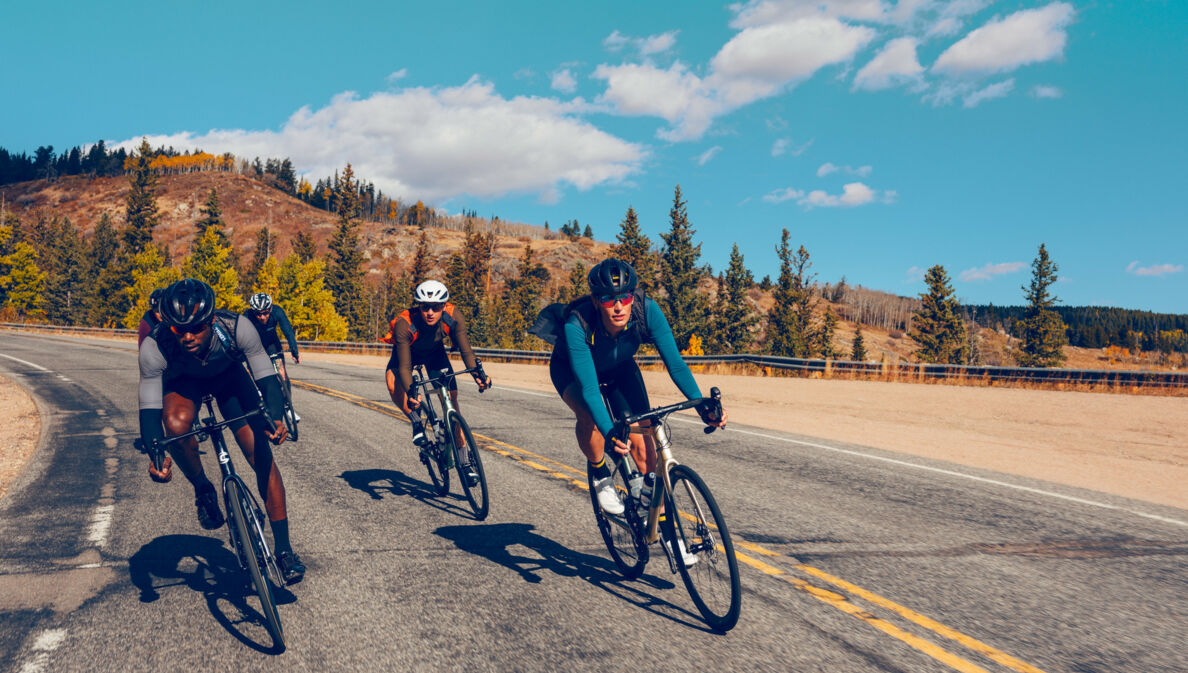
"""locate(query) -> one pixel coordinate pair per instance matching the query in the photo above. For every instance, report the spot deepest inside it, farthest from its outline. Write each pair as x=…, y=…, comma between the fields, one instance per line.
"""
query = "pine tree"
x=588, y=233
x=108, y=276
x=687, y=310
x=791, y=331
x=1042, y=332
x=733, y=317
x=937, y=326
x=265, y=247
x=576, y=286
x=858, y=350
x=304, y=246
x=421, y=263
x=61, y=254
x=825, y=346
x=635, y=248
x=212, y=218
x=466, y=277
x=141, y=215
x=523, y=294
x=344, y=273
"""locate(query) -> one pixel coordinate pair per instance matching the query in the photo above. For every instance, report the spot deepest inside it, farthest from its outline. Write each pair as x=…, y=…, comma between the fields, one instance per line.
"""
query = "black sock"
x=203, y=487
x=601, y=470
x=280, y=533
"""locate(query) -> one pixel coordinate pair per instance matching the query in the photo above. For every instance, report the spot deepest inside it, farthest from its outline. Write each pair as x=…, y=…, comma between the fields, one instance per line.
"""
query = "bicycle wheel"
x=436, y=459
x=622, y=533
x=476, y=495
x=252, y=552
x=713, y=580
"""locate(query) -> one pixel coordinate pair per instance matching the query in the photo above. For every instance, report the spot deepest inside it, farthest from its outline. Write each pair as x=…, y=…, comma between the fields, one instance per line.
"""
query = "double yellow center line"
x=576, y=477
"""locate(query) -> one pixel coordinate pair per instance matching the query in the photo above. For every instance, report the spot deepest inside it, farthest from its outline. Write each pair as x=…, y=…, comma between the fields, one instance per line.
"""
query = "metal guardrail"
x=903, y=371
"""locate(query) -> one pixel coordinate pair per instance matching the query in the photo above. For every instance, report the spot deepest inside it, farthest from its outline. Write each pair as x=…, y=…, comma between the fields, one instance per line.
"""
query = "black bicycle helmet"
x=260, y=302
x=156, y=297
x=188, y=302
x=610, y=277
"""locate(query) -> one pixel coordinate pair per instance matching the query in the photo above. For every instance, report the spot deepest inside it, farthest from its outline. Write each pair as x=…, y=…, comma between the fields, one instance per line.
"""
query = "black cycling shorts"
x=233, y=390
x=622, y=387
x=435, y=361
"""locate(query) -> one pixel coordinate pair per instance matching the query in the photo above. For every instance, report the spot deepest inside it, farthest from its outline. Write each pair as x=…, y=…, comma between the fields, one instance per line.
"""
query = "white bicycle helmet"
x=260, y=302
x=432, y=292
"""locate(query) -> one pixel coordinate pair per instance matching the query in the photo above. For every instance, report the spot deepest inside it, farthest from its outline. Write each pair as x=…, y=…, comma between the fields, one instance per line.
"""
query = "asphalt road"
x=853, y=559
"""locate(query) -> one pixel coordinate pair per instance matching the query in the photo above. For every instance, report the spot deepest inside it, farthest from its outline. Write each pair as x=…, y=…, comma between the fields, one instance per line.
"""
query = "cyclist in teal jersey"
x=602, y=332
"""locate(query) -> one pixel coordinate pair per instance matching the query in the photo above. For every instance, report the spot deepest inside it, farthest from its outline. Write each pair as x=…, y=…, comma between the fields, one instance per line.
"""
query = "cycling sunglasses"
x=432, y=307
x=624, y=298
x=188, y=329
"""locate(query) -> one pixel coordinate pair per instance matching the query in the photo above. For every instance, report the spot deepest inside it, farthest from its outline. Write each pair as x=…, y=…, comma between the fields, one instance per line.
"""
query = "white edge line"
x=952, y=473
x=24, y=362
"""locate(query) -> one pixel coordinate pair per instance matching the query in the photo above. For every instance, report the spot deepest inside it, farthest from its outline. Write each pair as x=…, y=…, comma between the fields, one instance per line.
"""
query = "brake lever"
x=716, y=396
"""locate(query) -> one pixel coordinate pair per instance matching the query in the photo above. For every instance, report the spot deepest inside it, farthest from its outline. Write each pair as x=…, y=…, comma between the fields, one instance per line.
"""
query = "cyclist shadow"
x=494, y=542
x=216, y=575
x=378, y=482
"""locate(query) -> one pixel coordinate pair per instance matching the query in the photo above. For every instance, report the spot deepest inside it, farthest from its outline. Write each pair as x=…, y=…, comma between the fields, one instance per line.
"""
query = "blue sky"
x=886, y=136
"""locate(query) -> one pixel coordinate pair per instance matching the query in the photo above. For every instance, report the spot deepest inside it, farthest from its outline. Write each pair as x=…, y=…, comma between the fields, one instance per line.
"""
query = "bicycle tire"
x=480, y=502
x=695, y=519
x=252, y=550
x=435, y=459
x=623, y=533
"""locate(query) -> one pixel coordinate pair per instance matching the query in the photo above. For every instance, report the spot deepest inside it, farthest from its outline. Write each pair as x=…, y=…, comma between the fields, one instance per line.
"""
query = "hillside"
x=248, y=204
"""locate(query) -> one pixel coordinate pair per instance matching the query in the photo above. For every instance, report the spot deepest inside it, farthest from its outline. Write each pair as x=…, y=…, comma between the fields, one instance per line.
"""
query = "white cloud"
x=705, y=157
x=1154, y=270
x=784, y=146
x=1046, y=91
x=439, y=143
x=760, y=61
x=996, y=90
x=647, y=46
x=951, y=17
x=828, y=168
x=781, y=195
x=989, y=271
x=563, y=81
x=1028, y=36
x=778, y=53
x=896, y=64
x=397, y=76
x=658, y=44
x=853, y=194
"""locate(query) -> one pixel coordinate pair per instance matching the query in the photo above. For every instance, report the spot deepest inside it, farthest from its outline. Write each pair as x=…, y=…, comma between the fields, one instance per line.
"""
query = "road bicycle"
x=691, y=518
x=245, y=518
x=441, y=452
x=290, y=415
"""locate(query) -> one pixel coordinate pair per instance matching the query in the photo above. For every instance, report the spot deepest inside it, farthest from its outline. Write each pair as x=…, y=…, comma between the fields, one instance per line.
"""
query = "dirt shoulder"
x=20, y=428
x=1127, y=445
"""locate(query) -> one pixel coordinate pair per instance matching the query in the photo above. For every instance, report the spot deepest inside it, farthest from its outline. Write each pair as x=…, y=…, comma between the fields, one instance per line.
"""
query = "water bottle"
x=635, y=484
x=645, y=493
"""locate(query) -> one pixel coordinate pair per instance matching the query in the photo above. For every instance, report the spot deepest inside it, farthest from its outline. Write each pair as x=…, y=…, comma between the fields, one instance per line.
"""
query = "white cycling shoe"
x=688, y=559
x=608, y=499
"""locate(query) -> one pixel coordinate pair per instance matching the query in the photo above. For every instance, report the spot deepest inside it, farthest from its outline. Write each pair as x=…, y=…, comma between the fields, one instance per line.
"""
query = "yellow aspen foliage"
x=301, y=292
x=695, y=346
x=148, y=273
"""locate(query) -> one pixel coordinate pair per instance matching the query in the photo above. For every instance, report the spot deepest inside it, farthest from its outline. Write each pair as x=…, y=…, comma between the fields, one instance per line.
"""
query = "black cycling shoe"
x=418, y=430
x=472, y=478
x=291, y=567
x=209, y=514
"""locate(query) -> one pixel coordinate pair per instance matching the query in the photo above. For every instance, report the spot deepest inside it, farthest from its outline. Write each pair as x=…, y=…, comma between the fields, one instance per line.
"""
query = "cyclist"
x=417, y=337
x=151, y=317
x=601, y=333
x=194, y=351
x=266, y=317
